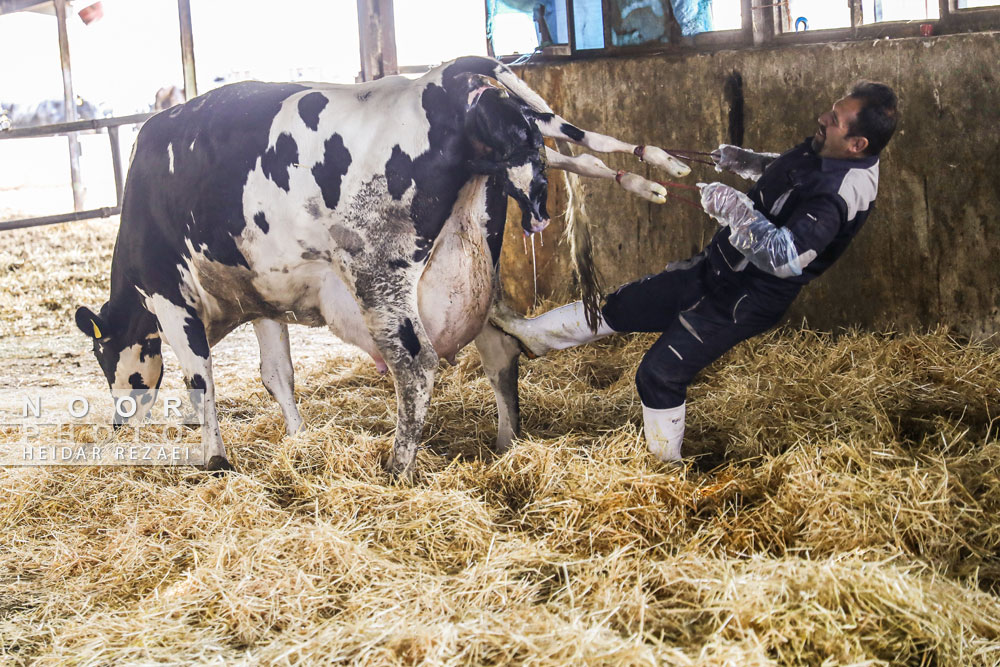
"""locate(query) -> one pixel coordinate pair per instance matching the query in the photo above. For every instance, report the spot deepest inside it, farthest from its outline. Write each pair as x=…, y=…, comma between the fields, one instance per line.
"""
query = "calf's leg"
x=588, y=165
x=276, y=370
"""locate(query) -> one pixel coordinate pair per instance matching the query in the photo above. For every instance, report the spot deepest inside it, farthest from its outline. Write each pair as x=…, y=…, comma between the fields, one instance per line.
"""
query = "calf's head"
x=129, y=357
x=511, y=147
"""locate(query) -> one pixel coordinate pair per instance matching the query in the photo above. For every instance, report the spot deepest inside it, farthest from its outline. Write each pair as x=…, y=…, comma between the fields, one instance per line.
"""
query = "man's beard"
x=818, y=143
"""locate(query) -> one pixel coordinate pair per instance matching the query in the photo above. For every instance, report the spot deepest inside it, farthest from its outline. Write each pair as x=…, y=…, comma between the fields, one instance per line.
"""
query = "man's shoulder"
x=858, y=188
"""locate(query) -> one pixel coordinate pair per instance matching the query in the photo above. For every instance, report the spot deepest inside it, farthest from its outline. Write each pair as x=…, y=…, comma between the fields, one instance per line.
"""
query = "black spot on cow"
x=261, y=221
x=571, y=131
x=196, y=337
x=398, y=172
x=149, y=347
x=409, y=338
x=135, y=381
x=276, y=160
x=440, y=171
x=310, y=107
x=330, y=172
x=197, y=382
x=363, y=97
x=399, y=264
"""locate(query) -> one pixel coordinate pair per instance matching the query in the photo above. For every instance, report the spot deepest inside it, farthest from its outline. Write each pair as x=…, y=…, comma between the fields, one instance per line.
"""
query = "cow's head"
x=510, y=145
x=129, y=358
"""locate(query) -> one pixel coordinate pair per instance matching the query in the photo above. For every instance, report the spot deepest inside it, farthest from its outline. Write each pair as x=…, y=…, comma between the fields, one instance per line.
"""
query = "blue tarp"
x=693, y=16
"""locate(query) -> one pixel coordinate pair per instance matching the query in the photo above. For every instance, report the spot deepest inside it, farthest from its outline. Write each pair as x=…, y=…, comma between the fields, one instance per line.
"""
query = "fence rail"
x=56, y=129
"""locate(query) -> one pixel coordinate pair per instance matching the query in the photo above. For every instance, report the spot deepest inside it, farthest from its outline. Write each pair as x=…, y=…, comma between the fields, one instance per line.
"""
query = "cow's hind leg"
x=410, y=356
x=276, y=370
x=500, y=354
x=389, y=306
x=185, y=333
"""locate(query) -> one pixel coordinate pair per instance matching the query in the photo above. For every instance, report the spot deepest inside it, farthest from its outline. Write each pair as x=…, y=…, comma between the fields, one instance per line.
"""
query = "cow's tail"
x=578, y=232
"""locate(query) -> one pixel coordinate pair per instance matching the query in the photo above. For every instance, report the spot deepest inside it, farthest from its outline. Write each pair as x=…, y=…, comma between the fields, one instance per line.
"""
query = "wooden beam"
x=187, y=49
x=377, y=39
x=69, y=103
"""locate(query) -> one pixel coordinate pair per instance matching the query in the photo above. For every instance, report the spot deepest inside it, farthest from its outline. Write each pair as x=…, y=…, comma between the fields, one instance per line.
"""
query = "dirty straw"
x=841, y=506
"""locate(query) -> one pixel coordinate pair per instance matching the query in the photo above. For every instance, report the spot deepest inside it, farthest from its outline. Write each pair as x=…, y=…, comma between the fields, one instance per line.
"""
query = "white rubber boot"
x=558, y=329
x=664, y=431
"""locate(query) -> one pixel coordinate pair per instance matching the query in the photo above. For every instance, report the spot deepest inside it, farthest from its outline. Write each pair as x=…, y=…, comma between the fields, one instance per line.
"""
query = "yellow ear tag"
x=97, y=332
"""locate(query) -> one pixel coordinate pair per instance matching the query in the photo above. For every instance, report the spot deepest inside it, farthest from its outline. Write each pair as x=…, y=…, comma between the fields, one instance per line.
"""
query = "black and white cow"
x=375, y=209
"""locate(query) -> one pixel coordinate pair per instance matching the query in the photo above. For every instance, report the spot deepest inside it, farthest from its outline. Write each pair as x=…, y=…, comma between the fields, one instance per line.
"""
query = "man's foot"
x=517, y=327
x=557, y=329
x=664, y=431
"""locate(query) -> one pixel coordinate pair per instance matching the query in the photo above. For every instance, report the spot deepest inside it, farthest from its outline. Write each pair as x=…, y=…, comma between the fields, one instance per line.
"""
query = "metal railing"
x=112, y=125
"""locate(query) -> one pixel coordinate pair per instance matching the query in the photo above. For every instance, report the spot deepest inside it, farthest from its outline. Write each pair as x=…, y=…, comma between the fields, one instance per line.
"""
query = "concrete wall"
x=927, y=255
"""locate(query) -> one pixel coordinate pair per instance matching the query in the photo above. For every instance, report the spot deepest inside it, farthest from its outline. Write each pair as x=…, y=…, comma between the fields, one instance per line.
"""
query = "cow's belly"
x=455, y=290
x=453, y=294
x=298, y=275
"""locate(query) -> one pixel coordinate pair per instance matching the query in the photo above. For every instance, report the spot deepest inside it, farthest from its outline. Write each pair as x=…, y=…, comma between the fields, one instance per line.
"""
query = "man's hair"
x=876, y=121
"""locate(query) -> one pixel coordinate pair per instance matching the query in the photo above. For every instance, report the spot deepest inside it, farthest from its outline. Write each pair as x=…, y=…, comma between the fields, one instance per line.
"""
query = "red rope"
x=671, y=184
x=684, y=200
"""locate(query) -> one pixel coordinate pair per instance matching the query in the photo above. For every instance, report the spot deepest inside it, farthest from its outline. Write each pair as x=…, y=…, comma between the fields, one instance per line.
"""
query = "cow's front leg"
x=181, y=327
x=500, y=354
x=276, y=370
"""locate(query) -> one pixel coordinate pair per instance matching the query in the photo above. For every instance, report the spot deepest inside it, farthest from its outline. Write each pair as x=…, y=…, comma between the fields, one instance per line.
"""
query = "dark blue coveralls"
x=707, y=304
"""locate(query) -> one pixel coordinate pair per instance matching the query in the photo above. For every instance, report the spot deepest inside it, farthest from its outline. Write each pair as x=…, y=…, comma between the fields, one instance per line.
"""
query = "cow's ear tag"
x=89, y=323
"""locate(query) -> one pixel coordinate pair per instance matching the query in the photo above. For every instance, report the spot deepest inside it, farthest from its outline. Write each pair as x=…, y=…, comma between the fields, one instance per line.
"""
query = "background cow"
x=168, y=97
x=375, y=209
x=49, y=112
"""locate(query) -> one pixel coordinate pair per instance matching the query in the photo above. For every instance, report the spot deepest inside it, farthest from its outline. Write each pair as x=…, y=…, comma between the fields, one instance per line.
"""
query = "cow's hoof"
x=219, y=465
x=503, y=445
x=400, y=471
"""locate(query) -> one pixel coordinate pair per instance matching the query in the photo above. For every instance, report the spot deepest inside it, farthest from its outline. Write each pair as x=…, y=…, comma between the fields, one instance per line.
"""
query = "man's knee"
x=660, y=388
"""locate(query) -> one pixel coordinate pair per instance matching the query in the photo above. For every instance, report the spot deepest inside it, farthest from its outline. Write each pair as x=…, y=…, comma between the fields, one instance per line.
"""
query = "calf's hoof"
x=219, y=465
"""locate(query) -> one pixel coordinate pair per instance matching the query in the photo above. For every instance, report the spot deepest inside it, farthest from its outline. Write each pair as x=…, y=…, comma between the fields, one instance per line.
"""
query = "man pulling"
x=805, y=207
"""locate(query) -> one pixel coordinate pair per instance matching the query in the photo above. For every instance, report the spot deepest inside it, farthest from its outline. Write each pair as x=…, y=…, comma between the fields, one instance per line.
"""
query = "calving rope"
x=691, y=156
x=671, y=195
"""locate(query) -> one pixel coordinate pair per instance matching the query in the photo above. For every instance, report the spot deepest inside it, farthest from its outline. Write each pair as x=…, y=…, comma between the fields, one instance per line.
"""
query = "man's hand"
x=724, y=203
x=740, y=161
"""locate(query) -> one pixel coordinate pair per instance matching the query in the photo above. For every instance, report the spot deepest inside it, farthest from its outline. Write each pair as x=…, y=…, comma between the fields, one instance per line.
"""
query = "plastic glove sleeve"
x=771, y=249
x=742, y=162
x=723, y=202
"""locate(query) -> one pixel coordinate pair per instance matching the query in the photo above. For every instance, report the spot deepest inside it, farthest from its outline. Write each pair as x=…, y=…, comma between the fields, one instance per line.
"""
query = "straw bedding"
x=840, y=507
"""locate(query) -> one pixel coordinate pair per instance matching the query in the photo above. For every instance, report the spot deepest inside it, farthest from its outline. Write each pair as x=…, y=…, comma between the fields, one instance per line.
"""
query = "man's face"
x=831, y=139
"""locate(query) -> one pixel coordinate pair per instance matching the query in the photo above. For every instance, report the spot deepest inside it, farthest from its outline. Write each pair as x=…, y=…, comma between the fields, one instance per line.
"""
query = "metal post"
x=187, y=49
x=116, y=162
x=69, y=103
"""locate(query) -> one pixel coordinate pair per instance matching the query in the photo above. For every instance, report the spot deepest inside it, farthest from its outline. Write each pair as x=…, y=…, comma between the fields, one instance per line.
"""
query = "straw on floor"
x=841, y=506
